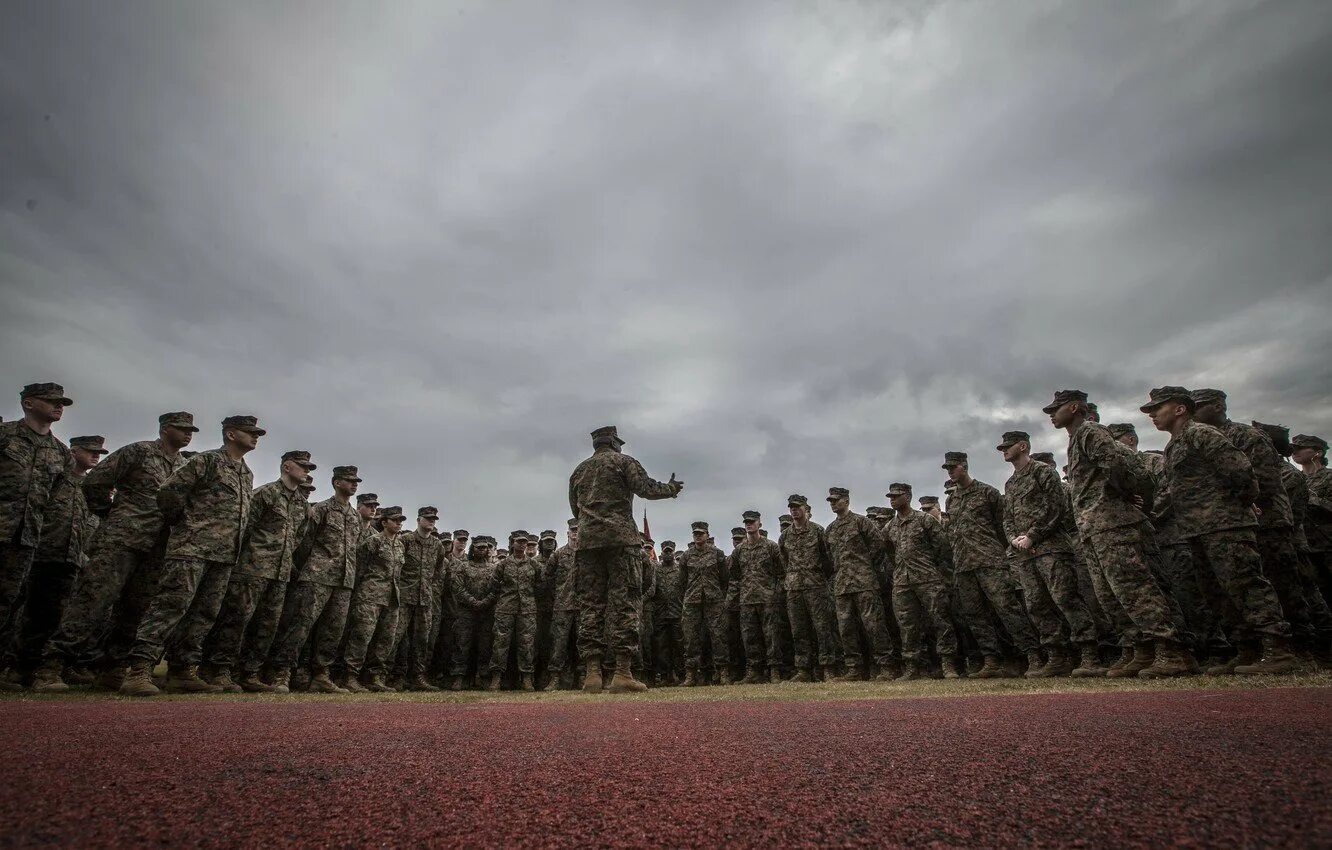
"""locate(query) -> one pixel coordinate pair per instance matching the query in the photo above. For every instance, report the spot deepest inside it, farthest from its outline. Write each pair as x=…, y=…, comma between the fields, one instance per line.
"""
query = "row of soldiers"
x=1217, y=546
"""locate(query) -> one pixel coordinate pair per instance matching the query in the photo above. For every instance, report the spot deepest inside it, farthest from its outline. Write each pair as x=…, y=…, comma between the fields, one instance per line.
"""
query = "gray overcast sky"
x=781, y=246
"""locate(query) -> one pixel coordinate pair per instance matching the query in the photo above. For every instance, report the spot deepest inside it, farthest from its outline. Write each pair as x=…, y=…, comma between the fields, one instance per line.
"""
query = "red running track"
x=1222, y=768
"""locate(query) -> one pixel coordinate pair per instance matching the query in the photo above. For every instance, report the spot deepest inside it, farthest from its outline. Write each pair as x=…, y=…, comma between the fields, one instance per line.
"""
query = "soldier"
x=1034, y=526
x=516, y=580
x=473, y=587
x=647, y=566
x=564, y=612
x=545, y=600
x=930, y=505
x=981, y=576
x=206, y=503
x=1212, y=489
x=1310, y=452
x=784, y=522
x=372, y=621
x=319, y=597
x=125, y=560
x=807, y=563
x=67, y=527
x=920, y=594
x=703, y=574
x=423, y=560
x=367, y=506
x=856, y=547
x=258, y=585
x=668, y=605
x=32, y=461
x=758, y=573
x=455, y=555
x=601, y=494
x=1107, y=485
x=735, y=640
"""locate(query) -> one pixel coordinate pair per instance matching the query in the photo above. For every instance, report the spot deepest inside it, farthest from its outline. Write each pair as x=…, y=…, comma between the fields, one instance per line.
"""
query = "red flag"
x=646, y=531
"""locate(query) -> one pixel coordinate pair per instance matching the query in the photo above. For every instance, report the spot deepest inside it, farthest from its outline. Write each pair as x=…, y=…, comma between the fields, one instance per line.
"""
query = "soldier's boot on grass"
x=950, y=670
x=223, y=680
x=379, y=686
x=1246, y=654
x=991, y=668
x=1277, y=659
x=419, y=683
x=1143, y=656
x=1125, y=656
x=775, y=676
x=300, y=680
x=691, y=678
x=494, y=684
x=724, y=676
x=110, y=679
x=592, y=676
x=1036, y=668
x=1059, y=664
x=10, y=680
x=803, y=676
x=320, y=683
x=250, y=683
x=1172, y=659
x=553, y=683
x=79, y=675
x=281, y=682
x=138, y=681
x=186, y=680
x=851, y=674
x=456, y=683
x=527, y=683
x=910, y=672
x=47, y=679
x=752, y=677
x=1090, y=665
x=624, y=681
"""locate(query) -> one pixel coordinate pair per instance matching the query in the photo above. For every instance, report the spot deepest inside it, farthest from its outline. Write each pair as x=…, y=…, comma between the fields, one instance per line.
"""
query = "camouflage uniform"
x=757, y=572
x=668, y=607
x=1318, y=522
x=703, y=572
x=516, y=580
x=807, y=562
x=920, y=596
x=473, y=587
x=647, y=566
x=423, y=560
x=564, y=609
x=1297, y=488
x=125, y=560
x=206, y=503
x=372, y=621
x=856, y=547
x=258, y=585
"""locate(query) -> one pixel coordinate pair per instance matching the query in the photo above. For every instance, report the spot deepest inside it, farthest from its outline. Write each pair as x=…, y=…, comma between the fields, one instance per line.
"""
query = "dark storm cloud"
x=781, y=247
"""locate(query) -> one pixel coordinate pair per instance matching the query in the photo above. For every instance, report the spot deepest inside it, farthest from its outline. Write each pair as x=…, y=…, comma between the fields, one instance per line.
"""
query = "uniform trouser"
x=994, y=588
x=541, y=655
x=184, y=608
x=1120, y=563
x=1054, y=604
x=472, y=630
x=1188, y=591
x=311, y=609
x=517, y=629
x=759, y=630
x=246, y=624
x=735, y=638
x=921, y=608
x=864, y=611
x=705, y=619
x=412, y=642
x=15, y=565
x=668, y=645
x=1281, y=566
x=563, y=628
x=1107, y=626
x=647, y=625
x=1232, y=573
x=441, y=626
x=1319, y=611
x=48, y=585
x=371, y=626
x=108, y=600
x=609, y=588
x=813, y=626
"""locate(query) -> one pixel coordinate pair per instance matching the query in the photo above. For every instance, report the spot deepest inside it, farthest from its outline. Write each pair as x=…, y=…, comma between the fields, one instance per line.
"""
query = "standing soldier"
x=1212, y=488
x=564, y=612
x=980, y=572
x=1310, y=452
x=856, y=546
x=703, y=574
x=668, y=604
x=601, y=495
x=920, y=595
x=759, y=572
x=318, y=599
x=735, y=641
x=258, y=586
x=423, y=560
x=473, y=587
x=372, y=622
x=206, y=503
x=545, y=600
x=516, y=580
x=455, y=554
x=647, y=625
x=808, y=564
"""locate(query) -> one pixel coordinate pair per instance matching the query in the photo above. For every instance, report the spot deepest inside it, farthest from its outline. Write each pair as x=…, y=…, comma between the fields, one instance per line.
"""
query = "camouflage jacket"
x=1104, y=481
x=918, y=547
x=1271, y=500
x=122, y=489
x=327, y=555
x=1318, y=521
x=857, y=548
x=206, y=503
x=1297, y=490
x=563, y=577
x=1163, y=510
x=67, y=525
x=473, y=584
x=703, y=571
x=647, y=577
x=1211, y=482
x=273, y=531
x=379, y=569
x=806, y=557
x=423, y=559
x=516, y=582
x=601, y=495
x=668, y=599
x=757, y=568
x=976, y=527
x=1035, y=504
x=31, y=464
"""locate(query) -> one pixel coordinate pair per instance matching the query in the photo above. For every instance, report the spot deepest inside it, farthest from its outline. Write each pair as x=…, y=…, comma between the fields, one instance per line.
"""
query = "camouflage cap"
x=1207, y=395
x=301, y=456
x=796, y=499
x=785, y=519
x=391, y=512
x=835, y=493
x=698, y=525
x=479, y=540
x=748, y=516
x=46, y=392
x=515, y=536
x=244, y=422
x=307, y=486
x=1308, y=441
x=668, y=545
x=549, y=534
x=929, y=500
x=873, y=510
x=95, y=444
x=572, y=523
x=949, y=486
x=367, y=499
x=1044, y=457
x=444, y=535
x=898, y=489
x=738, y=531
x=952, y=459
x=1012, y=438
x=179, y=419
x=460, y=534
x=608, y=432
x=1119, y=429
x=1063, y=397
x=1275, y=433
x=1093, y=412
x=1160, y=395
x=346, y=473
x=428, y=512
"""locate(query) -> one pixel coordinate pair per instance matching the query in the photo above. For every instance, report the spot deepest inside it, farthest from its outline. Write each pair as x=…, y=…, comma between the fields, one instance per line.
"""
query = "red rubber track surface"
x=1223, y=768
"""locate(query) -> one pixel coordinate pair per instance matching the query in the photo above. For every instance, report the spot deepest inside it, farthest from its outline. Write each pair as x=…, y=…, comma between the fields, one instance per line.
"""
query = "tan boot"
x=1125, y=658
x=1143, y=656
x=79, y=675
x=1246, y=654
x=527, y=683
x=110, y=679
x=352, y=684
x=1090, y=665
x=802, y=677
x=1277, y=659
x=991, y=669
x=252, y=684
x=592, y=676
x=379, y=686
x=456, y=683
x=724, y=677
x=752, y=677
x=691, y=678
x=775, y=676
x=419, y=683
x=47, y=680
x=494, y=682
x=1171, y=660
x=624, y=682
x=300, y=680
x=138, y=681
x=1059, y=664
x=950, y=670
x=281, y=682
x=224, y=681
x=910, y=672
x=186, y=680
x=320, y=683
x=1036, y=669
x=852, y=674
x=553, y=682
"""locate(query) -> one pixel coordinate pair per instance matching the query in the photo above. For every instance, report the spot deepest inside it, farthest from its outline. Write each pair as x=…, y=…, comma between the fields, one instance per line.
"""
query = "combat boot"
x=10, y=680
x=353, y=685
x=185, y=680
x=910, y=672
x=1277, y=659
x=1143, y=656
x=527, y=683
x=138, y=681
x=1125, y=656
x=1171, y=660
x=320, y=683
x=852, y=674
x=950, y=670
x=419, y=683
x=494, y=684
x=592, y=676
x=300, y=680
x=1246, y=654
x=379, y=686
x=47, y=680
x=990, y=669
x=803, y=676
x=691, y=678
x=624, y=681
x=224, y=681
x=109, y=679
x=281, y=682
x=752, y=677
x=553, y=684
x=250, y=683
x=456, y=683
x=79, y=675
x=1036, y=669
x=1059, y=664
x=887, y=674
x=1090, y=666
x=724, y=677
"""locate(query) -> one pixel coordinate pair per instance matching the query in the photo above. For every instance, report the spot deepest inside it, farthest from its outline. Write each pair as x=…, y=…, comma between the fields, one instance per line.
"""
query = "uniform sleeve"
x=996, y=507
x=314, y=521
x=643, y=485
x=174, y=495
x=573, y=495
x=1320, y=492
x=1233, y=467
x=1051, y=519
x=878, y=550
x=100, y=482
